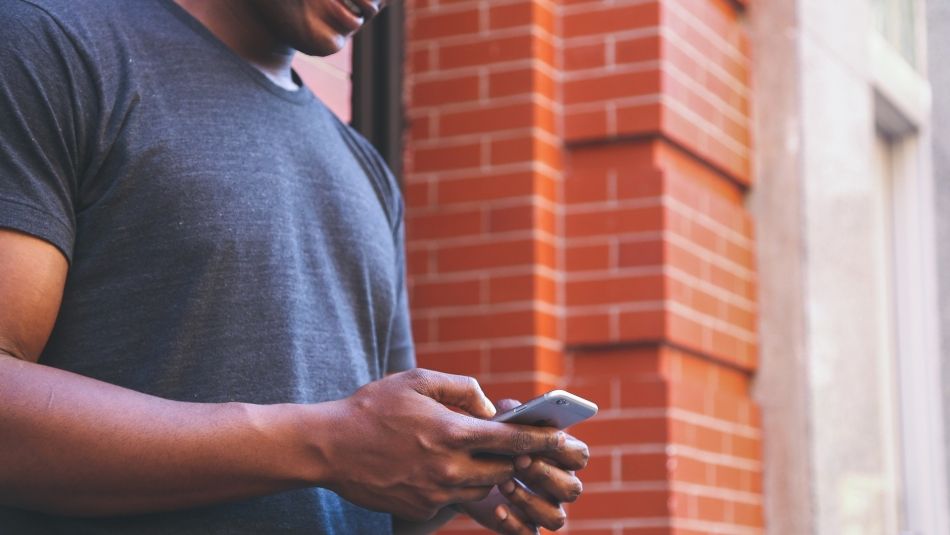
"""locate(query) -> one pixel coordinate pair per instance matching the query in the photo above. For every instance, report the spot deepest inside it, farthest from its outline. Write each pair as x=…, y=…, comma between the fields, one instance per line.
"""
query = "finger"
x=510, y=524
x=455, y=390
x=471, y=494
x=548, y=480
x=512, y=439
x=507, y=404
x=538, y=510
x=484, y=471
x=574, y=455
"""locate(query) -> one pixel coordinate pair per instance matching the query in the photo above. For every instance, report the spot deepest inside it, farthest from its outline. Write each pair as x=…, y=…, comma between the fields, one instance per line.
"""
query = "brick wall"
x=575, y=183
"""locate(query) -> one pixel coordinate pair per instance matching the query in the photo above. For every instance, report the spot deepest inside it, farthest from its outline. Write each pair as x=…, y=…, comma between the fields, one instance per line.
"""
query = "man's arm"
x=72, y=445
x=76, y=446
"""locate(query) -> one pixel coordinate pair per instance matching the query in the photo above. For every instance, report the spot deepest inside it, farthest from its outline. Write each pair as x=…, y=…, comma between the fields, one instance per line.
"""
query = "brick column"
x=576, y=181
x=482, y=170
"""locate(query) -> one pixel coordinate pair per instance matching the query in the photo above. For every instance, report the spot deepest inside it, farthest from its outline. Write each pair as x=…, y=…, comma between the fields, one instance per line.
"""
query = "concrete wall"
x=826, y=381
x=777, y=204
x=938, y=31
x=847, y=305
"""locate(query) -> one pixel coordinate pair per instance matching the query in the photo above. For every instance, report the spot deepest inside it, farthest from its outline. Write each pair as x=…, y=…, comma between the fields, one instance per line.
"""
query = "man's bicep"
x=32, y=275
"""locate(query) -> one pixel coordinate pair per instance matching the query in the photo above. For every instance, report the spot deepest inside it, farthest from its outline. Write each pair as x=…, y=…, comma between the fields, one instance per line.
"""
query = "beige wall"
x=329, y=78
x=824, y=200
x=938, y=21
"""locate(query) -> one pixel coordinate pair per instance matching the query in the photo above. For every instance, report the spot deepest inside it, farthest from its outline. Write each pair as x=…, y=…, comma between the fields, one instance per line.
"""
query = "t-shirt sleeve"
x=402, y=354
x=45, y=96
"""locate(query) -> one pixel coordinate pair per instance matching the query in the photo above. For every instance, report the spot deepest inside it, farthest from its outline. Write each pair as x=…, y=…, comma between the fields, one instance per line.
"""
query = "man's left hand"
x=534, y=498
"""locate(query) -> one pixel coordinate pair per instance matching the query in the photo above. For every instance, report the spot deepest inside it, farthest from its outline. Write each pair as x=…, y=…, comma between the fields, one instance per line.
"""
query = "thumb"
x=455, y=391
x=507, y=404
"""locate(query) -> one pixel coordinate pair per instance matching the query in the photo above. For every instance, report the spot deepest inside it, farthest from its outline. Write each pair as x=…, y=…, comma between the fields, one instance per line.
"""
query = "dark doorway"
x=378, y=114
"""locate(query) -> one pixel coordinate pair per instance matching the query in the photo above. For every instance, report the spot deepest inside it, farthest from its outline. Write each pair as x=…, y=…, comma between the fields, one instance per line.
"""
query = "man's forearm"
x=75, y=446
x=408, y=527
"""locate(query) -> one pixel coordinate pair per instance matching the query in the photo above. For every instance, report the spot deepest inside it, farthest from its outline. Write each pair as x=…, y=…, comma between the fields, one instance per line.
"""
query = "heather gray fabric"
x=228, y=240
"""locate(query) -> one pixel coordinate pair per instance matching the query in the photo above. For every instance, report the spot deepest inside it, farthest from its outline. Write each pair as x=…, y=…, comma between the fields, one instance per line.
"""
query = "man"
x=202, y=308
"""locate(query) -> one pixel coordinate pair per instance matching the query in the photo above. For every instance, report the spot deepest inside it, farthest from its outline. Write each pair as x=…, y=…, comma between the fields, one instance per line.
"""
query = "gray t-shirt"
x=228, y=240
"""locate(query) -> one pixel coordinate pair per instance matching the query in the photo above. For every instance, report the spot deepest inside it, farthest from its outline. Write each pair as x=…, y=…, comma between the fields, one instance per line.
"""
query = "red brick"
x=638, y=118
x=617, y=363
x=608, y=289
x=421, y=332
x=588, y=257
x=587, y=188
x=644, y=392
x=614, y=221
x=484, y=119
x=510, y=15
x=445, y=91
x=521, y=359
x=591, y=56
x=444, y=225
x=466, y=362
x=514, y=288
x=639, y=183
x=607, y=20
x=444, y=294
x=607, y=86
x=644, y=467
x=485, y=255
x=638, y=49
x=483, y=326
x=641, y=325
x=748, y=514
x=522, y=81
x=511, y=218
x=435, y=25
x=586, y=124
x=599, y=470
x=417, y=261
x=486, y=51
x=688, y=470
x=636, y=253
x=485, y=187
x=603, y=432
x=588, y=328
x=710, y=509
x=621, y=504
x=448, y=156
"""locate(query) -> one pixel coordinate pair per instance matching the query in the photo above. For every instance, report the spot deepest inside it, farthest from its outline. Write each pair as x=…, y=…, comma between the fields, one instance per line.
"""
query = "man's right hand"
x=395, y=445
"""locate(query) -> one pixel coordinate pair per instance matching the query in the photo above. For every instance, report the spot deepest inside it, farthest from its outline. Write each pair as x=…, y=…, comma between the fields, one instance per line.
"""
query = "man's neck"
x=235, y=24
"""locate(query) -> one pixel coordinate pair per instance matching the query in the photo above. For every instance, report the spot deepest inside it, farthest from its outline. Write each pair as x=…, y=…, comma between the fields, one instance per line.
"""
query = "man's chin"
x=323, y=46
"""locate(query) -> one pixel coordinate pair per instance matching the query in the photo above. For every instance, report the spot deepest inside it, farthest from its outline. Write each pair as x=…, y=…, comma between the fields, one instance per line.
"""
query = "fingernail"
x=501, y=512
x=561, y=439
x=490, y=407
x=523, y=462
x=508, y=487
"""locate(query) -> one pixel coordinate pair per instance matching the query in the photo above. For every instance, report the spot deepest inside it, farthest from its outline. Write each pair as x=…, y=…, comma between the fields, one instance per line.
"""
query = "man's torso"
x=229, y=245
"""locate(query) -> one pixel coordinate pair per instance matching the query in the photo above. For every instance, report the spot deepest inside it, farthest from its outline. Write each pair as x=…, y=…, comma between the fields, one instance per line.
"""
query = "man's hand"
x=534, y=496
x=396, y=446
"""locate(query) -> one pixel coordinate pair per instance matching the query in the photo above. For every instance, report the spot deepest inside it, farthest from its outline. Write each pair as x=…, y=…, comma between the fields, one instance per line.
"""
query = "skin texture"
x=68, y=451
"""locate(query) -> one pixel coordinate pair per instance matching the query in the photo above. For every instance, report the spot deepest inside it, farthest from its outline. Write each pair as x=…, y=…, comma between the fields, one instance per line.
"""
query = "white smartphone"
x=557, y=408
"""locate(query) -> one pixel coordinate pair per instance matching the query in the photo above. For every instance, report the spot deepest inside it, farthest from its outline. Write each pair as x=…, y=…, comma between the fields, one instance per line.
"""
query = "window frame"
x=378, y=111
